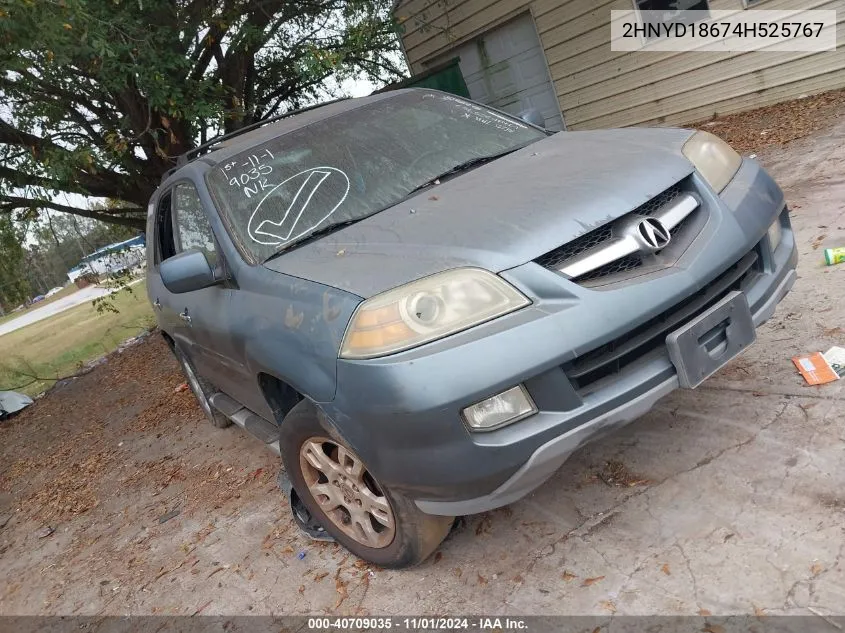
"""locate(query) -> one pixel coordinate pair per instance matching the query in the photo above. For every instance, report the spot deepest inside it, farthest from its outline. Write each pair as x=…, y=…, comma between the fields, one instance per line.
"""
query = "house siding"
x=599, y=88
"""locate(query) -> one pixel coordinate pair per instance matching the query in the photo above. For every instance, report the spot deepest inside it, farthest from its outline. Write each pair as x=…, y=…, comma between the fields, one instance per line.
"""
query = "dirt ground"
x=117, y=497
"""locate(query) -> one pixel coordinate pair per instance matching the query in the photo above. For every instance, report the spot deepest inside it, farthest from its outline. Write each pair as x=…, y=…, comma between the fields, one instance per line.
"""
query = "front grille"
x=557, y=257
x=681, y=235
x=623, y=265
x=613, y=357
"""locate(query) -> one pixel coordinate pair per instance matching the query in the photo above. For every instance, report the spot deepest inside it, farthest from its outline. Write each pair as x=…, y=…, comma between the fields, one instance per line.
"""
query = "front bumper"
x=402, y=413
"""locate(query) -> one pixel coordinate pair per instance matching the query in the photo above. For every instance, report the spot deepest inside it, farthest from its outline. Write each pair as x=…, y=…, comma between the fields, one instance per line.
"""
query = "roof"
x=113, y=248
x=237, y=144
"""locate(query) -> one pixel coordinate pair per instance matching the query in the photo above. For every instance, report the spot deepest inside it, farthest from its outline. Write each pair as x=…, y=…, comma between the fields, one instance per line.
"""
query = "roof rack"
x=188, y=156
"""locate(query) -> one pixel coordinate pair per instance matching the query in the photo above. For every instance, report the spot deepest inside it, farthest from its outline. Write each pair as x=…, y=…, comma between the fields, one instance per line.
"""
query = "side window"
x=191, y=223
x=164, y=230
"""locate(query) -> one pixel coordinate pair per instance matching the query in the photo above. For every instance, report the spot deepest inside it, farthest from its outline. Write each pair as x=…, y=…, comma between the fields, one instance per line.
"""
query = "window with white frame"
x=668, y=11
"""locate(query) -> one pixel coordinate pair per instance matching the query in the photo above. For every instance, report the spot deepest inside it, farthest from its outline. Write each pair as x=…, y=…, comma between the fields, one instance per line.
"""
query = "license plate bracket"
x=704, y=345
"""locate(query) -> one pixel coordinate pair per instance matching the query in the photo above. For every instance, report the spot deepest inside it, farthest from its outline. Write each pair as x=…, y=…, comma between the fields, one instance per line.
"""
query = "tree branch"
x=121, y=215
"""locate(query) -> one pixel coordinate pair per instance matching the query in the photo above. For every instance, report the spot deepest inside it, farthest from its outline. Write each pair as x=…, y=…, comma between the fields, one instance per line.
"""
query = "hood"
x=500, y=215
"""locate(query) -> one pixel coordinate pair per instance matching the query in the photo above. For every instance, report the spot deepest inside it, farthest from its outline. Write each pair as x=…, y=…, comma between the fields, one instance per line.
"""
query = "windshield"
x=349, y=166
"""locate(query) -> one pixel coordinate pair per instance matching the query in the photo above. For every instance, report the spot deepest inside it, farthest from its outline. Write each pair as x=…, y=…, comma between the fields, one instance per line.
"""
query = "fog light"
x=504, y=408
x=775, y=234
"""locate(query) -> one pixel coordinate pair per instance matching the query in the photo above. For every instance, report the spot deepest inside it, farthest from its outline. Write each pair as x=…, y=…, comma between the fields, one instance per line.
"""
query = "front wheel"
x=337, y=488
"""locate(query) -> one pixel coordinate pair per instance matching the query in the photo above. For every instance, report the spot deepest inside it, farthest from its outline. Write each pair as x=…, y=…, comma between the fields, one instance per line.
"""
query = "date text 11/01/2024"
x=417, y=624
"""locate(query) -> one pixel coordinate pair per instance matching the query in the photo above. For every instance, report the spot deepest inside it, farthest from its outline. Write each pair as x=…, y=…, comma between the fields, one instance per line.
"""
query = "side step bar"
x=254, y=424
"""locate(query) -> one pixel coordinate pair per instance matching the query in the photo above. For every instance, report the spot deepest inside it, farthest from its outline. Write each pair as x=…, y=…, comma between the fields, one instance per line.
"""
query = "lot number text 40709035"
x=417, y=624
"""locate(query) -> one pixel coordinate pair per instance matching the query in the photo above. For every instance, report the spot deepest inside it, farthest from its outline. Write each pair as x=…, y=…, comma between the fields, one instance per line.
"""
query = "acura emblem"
x=653, y=234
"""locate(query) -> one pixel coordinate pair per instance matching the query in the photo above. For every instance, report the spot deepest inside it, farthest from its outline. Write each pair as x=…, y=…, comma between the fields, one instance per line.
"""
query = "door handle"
x=185, y=316
x=157, y=304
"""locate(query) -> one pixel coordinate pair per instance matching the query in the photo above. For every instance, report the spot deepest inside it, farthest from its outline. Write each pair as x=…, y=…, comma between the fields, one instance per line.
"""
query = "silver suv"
x=425, y=305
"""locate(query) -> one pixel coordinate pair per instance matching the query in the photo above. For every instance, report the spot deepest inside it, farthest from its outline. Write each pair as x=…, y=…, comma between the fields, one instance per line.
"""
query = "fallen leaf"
x=833, y=331
x=591, y=581
x=615, y=473
x=181, y=388
x=438, y=557
x=483, y=526
x=665, y=569
x=433, y=198
x=568, y=576
x=818, y=242
x=607, y=605
x=713, y=628
x=517, y=578
x=201, y=609
x=164, y=518
x=760, y=613
x=302, y=589
x=320, y=576
x=458, y=571
x=482, y=580
x=44, y=532
x=704, y=612
x=340, y=587
x=816, y=568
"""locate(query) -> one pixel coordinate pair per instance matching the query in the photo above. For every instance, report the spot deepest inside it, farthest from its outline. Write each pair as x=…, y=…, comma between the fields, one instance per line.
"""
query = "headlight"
x=714, y=159
x=428, y=309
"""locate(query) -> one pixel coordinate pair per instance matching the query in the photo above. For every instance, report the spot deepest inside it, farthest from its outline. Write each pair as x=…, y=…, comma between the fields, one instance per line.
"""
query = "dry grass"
x=58, y=346
x=776, y=125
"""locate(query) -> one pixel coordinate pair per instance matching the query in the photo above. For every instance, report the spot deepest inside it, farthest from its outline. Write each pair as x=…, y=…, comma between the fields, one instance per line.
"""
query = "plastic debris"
x=181, y=388
x=815, y=369
x=834, y=256
x=11, y=402
x=835, y=357
x=301, y=555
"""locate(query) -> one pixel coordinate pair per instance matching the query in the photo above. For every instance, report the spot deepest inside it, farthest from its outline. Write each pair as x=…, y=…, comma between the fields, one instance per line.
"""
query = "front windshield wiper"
x=313, y=235
x=336, y=226
x=467, y=164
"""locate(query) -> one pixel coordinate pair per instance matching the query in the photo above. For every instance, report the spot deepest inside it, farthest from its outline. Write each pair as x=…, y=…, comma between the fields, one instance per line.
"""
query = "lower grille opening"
x=611, y=358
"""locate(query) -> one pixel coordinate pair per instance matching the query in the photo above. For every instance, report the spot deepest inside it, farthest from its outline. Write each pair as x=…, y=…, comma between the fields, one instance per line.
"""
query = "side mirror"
x=187, y=271
x=534, y=117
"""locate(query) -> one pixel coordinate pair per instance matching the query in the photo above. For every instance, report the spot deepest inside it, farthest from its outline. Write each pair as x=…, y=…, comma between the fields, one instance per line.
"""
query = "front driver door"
x=206, y=314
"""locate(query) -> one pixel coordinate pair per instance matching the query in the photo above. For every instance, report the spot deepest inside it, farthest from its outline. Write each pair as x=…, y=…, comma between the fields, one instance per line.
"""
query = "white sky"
x=352, y=87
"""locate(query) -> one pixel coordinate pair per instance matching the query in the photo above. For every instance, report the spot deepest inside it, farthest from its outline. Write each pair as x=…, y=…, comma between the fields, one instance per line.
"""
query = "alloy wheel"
x=348, y=494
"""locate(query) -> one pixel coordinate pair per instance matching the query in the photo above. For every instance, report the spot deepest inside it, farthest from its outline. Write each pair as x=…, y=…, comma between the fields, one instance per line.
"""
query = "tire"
x=401, y=536
x=202, y=390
